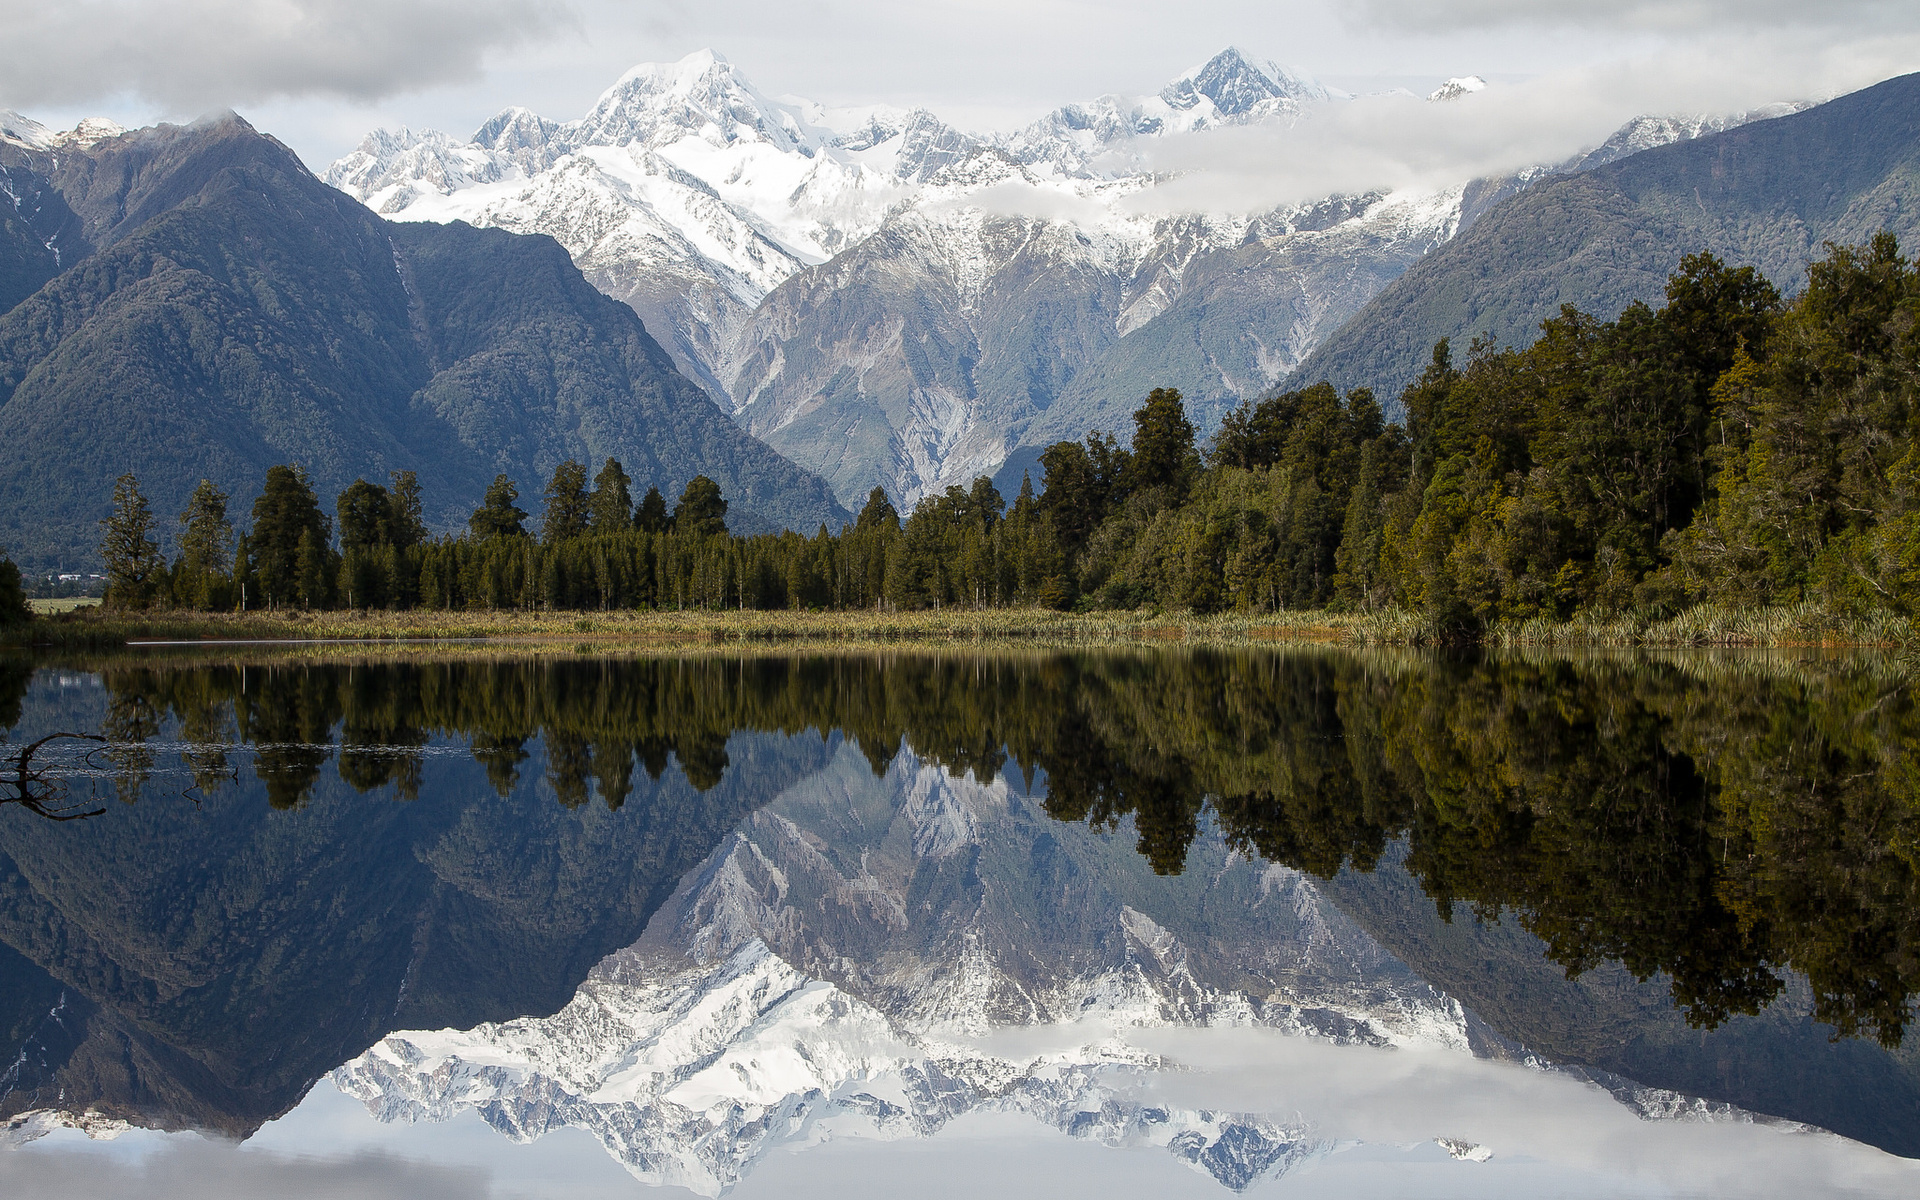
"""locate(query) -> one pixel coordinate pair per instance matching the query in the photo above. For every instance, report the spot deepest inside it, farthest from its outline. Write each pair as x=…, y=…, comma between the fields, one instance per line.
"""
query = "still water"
x=1169, y=923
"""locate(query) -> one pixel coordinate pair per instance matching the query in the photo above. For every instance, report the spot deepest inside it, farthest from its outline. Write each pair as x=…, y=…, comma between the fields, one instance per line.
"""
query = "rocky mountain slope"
x=1767, y=194
x=190, y=302
x=889, y=300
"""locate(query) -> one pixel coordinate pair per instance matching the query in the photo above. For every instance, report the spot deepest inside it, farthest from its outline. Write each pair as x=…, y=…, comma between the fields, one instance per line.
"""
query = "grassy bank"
x=1703, y=626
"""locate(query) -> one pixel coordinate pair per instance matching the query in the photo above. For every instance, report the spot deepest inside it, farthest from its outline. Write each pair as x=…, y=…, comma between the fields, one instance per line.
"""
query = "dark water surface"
x=705, y=908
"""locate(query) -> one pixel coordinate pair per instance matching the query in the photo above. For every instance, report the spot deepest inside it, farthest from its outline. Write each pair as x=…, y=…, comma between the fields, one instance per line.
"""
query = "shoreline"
x=1803, y=626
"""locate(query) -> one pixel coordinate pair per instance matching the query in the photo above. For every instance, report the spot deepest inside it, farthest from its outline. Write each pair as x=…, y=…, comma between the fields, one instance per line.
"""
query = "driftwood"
x=32, y=788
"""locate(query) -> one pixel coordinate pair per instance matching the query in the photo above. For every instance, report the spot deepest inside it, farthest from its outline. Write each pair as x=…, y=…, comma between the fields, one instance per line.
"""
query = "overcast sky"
x=319, y=73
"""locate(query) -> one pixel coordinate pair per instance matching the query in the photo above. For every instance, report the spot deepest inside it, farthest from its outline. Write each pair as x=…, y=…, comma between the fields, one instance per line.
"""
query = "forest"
x=1731, y=446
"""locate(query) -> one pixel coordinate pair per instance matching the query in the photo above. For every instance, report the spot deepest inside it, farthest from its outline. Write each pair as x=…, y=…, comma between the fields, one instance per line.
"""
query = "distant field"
x=60, y=606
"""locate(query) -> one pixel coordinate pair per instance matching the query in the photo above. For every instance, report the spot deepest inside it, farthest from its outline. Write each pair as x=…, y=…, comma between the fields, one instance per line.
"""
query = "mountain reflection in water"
x=1694, y=873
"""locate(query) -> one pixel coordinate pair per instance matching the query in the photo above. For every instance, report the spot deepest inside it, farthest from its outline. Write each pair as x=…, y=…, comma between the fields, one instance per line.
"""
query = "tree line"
x=1706, y=823
x=1728, y=447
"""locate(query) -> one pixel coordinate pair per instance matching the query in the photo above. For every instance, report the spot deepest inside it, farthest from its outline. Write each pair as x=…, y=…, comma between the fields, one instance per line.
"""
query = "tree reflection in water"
x=1712, y=819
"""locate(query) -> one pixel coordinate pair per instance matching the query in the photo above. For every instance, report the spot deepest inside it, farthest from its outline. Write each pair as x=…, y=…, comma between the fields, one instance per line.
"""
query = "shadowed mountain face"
x=1766, y=194
x=1688, y=875
x=190, y=302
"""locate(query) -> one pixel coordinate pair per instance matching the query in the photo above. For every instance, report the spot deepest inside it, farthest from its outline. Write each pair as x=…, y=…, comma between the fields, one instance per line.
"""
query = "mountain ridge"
x=1766, y=194
x=235, y=312
x=893, y=301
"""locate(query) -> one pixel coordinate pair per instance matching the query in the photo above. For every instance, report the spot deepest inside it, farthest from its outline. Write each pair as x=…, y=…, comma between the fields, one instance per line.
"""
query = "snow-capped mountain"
x=850, y=962
x=889, y=300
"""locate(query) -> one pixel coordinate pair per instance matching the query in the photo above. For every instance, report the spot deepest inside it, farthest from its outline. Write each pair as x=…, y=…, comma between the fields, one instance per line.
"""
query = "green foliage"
x=498, y=516
x=135, y=570
x=1163, y=451
x=651, y=516
x=200, y=577
x=569, y=508
x=702, y=511
x=13, y=604
x=291, y=558
x=610, y=507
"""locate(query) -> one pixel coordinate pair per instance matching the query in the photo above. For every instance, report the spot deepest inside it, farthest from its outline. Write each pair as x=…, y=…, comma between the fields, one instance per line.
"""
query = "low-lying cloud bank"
x=1404, y=142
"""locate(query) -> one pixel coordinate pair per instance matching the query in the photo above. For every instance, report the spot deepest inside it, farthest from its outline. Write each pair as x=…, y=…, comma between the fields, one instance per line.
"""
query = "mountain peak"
x=701, y=95
x=1238, y=83
x=24, y=131
x=1453, y=89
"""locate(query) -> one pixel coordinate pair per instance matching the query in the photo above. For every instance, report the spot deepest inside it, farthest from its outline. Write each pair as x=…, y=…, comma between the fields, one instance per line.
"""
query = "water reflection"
x=1728, y=843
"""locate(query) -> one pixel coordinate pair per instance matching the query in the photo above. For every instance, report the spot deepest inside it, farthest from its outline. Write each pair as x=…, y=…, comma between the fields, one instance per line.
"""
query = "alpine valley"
x=889, y=300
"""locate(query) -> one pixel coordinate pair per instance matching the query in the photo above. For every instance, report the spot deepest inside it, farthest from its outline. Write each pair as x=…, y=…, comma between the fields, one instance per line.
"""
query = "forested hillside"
x=1766, y=194
x=1726, y=449
x=218, y=310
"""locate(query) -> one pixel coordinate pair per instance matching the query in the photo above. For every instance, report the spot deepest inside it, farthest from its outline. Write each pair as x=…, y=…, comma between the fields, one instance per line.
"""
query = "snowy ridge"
x=794, y=991
x=890, y=300
x=689, y=1075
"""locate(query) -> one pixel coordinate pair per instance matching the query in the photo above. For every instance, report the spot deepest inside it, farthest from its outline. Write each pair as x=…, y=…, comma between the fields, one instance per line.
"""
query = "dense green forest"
x=1728, y=447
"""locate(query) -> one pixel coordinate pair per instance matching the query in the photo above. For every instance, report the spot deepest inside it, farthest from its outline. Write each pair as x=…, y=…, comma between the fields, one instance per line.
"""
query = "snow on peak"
x=702, y=94
x=1453, y=89
x=27, y=132
x=24, y=131
x=1239, y=85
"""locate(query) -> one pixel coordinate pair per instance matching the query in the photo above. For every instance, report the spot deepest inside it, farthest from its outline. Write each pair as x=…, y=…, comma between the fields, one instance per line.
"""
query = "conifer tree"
x=497, y=515
x=702, y=511
x=287, y=514
x=206, y=549
x=404, y=526
x=878, y=512
x=366, y=516
x=14, y=609
x=651, y=517
x=1163, y=452
x=134, y=565
x=568, y=507
x=611, y=504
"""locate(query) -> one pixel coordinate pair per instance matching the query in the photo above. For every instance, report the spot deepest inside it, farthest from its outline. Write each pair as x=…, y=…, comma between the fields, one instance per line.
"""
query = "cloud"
x=1402, y=142
x=191, y=55
x=215, y=1171
x=1657, y=15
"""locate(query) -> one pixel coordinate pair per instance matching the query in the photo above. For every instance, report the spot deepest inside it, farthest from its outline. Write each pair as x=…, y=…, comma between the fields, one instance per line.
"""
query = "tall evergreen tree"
x=404, y=526
x=651, y=516
x=568, y=506
x=366, y=516
x=135, y=569
x=610, y=507
x=206, y=549
x=286, y=516
x=878, y=512
x=14, y=609
x=1163, y=451
x=702, y=511
x=497, y=515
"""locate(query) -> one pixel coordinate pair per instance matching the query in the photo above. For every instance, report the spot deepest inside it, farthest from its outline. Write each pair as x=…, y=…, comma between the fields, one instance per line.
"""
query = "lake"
x=1157, y=922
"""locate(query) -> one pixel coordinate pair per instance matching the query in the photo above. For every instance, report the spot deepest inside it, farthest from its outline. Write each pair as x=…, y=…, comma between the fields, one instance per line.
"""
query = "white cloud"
x=1402, y=142
x=190, y=55
x=1741, y=15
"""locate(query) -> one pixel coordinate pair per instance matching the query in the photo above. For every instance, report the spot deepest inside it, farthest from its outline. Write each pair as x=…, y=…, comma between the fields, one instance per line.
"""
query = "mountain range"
x=880, y=297
x=1768, y=195
x=188, y=302
x=889, y=300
